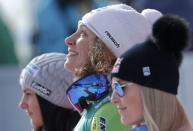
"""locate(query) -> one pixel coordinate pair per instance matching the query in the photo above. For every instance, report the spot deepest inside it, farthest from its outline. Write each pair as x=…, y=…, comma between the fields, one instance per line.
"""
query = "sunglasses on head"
x=118, y=88
x=89, y=88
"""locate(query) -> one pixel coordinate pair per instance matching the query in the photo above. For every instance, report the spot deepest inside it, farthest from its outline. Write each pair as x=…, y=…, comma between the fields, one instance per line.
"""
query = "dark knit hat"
x=155, y=63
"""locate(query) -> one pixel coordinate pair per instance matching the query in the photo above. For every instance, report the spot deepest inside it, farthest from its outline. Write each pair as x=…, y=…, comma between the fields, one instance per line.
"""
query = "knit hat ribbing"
x=151, y=15
x=46, y=76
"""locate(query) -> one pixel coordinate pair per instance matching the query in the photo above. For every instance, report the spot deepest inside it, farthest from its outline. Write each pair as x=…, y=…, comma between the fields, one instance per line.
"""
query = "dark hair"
x=56, y=118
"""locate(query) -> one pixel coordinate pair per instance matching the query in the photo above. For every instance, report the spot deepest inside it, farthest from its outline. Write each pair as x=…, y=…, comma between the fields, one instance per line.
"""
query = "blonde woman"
x=145, y=80
x=102, y=36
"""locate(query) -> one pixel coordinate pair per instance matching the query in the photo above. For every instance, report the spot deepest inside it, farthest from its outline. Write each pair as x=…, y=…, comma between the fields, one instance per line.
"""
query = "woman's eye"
x=82, y=34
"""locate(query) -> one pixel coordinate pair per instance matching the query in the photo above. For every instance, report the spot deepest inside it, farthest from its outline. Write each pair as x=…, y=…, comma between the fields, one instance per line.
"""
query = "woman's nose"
x=114, y=98
x=69, y=40
x=23, y=103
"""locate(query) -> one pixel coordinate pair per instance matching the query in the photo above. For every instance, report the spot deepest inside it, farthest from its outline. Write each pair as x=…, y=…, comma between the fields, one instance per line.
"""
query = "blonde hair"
x=101, y=60
x=163, y=111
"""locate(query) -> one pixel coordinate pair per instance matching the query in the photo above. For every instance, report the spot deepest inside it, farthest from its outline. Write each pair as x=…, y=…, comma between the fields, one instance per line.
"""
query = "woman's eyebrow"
x=26, y=90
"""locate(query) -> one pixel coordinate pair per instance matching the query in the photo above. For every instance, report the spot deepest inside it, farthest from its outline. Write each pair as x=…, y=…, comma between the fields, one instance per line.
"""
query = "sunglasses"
x=118, y=88
x=89, y=88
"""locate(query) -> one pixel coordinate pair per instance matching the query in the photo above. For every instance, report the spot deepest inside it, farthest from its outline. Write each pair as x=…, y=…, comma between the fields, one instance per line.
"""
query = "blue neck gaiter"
x=141, y=127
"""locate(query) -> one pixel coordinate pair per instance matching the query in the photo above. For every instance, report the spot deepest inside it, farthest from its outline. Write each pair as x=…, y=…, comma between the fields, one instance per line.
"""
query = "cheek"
x=34, y=104
x=35, y=107
x=134, y=112
x=84, y=58
x=37, y=116
x=84, y=53
x=132, y=116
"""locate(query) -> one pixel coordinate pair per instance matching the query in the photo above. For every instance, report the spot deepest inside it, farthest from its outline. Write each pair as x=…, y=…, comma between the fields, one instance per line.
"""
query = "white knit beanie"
x=46, y=76
x=120, y=26
x=151, y=15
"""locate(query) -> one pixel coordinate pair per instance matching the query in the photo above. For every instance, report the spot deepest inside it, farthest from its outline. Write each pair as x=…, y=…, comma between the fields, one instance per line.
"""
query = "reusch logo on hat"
x=112, y=39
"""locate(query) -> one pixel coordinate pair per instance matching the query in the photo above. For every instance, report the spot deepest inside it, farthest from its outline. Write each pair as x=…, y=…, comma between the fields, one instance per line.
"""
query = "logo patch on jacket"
x=102, y=123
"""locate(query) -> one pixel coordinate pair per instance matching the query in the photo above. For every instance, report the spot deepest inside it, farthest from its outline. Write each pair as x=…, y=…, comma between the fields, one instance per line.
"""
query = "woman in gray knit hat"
x=44, y=82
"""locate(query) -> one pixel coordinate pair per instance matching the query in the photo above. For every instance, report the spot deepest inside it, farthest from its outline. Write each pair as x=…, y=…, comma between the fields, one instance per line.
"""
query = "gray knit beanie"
x=46, y=76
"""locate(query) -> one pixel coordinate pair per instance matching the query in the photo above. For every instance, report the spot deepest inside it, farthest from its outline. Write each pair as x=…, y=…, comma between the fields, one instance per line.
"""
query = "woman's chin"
x=127, y=121
x=69, y=66
x=124, y=121
x=35, y=126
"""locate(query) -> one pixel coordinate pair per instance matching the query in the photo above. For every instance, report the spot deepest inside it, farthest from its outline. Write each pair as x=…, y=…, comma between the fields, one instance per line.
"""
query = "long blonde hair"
x=101, y=60
x=163, y=111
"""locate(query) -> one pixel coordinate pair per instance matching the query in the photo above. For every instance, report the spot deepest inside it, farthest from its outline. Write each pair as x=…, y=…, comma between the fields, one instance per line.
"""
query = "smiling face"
x=78, y=47
x=130, y=105
x=30, y=104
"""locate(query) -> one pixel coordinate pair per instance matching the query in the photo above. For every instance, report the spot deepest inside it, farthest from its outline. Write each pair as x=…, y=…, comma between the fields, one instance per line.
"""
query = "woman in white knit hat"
x=102, y=36
x=44, y=82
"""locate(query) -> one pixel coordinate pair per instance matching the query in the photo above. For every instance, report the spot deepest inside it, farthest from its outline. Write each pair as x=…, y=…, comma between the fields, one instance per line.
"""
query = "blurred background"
x=31, y=27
